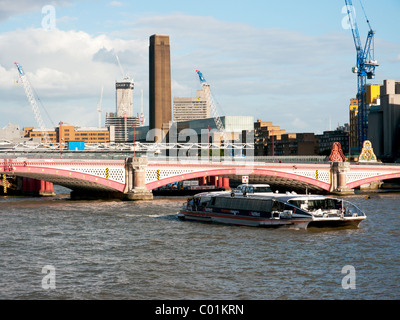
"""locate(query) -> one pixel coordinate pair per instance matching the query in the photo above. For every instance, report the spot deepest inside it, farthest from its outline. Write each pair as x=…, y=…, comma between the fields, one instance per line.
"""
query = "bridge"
x=134, y=178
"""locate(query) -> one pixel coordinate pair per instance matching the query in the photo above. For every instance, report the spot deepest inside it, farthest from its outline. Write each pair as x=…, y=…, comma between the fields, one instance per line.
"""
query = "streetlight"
x=60, y=139
x=208, y=143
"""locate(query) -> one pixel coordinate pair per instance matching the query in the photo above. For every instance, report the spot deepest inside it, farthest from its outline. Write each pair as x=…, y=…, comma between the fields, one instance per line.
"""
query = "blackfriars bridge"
x=133, y=178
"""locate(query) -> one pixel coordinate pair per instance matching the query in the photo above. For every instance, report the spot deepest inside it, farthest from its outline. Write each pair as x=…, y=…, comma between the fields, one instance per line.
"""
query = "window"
x=245, y=204
x=262, y=189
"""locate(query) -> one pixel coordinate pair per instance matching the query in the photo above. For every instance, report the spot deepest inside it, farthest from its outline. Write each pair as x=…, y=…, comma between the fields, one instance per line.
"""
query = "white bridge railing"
x=137, y=146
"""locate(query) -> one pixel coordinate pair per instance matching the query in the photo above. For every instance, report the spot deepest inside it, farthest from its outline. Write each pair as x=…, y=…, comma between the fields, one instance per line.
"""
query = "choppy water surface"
x=140, y=250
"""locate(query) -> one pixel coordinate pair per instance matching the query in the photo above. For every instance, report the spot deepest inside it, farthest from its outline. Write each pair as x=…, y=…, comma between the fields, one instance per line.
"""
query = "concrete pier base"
x=138, y=196
x=135, y=189
x=343, y=192
x=46, y=189
x=372, y=185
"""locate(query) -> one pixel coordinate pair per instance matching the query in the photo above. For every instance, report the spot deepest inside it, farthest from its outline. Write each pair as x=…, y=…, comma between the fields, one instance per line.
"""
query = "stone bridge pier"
x=135, y=177
x=339, y=172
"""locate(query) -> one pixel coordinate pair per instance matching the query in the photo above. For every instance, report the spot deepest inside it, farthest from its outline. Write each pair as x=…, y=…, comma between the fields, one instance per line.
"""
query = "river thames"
x=54, y=248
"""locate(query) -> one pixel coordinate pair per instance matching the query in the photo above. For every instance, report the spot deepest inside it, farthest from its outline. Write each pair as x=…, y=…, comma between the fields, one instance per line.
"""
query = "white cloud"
x=262, y=72
x=9, y=8
x=116, y=4
x=66, y=19
x=62, y=69
x=299, y=125
x=267, y=73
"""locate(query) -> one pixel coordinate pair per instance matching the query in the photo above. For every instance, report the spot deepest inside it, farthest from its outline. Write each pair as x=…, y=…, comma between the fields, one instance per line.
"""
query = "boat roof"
x=282, y=196
x=253, y=185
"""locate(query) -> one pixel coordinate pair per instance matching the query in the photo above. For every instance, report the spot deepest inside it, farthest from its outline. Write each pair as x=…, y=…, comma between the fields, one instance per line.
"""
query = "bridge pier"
x=37, y=187
x=225, y=183
x=135, y=177
x=339, y=178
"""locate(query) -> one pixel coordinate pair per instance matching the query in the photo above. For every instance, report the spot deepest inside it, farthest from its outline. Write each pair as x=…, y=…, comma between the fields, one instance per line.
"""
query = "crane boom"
x=365, y=69
x=354, y=27
x=142, y=118
x=99, y=105
x=213, y=108
x=32, y=102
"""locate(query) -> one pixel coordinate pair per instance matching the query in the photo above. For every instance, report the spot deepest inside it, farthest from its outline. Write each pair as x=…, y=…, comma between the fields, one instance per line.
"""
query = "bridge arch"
x=383, y=177
x=234, y=172
x=66, y=178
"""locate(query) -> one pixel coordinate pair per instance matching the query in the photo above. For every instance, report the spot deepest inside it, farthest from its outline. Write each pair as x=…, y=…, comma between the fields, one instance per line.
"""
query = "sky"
x=288, y=62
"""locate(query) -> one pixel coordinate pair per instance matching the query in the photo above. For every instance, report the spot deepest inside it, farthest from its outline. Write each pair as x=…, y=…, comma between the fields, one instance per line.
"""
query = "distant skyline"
x=288, y=61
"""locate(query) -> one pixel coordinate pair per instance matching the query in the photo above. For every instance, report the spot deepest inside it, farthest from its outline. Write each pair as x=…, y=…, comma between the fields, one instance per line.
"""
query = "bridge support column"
x=46, y=189
x=135, y=171
x=37, y=187
x=339, y=178
x=225, y=184
x=213, y=181
x=202, y=181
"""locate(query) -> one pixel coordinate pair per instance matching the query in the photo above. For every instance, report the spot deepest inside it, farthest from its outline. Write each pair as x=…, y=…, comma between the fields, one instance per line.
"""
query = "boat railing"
x=351, y=210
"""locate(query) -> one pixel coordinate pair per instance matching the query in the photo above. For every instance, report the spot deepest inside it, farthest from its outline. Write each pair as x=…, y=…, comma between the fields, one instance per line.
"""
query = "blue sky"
x=288, y=61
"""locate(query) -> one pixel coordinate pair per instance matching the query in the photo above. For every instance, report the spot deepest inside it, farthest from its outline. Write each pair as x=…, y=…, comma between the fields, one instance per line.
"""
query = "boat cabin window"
x=278, y=206
x=256, y=189
x=203, y=201
x=248, y=190
x=242, y=204
x=315, y=204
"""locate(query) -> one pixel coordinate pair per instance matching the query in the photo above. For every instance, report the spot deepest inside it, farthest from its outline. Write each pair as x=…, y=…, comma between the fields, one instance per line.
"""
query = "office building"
x=328, y=138
x=373, y=93
x=293, y=144
x=200, y=129
x=160, y=112
x=384, y=122
x=11, y=132
x=262, y=133
x=193, y=108
x=371, y=99
x=66, y=132
x=353, y=115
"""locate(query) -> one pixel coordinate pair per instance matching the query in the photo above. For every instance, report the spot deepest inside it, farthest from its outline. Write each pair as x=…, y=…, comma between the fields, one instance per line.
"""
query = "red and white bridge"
x=138, y=176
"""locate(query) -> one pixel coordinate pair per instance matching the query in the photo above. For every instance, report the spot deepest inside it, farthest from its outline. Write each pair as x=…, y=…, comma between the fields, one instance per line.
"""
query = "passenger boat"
x=268, y=209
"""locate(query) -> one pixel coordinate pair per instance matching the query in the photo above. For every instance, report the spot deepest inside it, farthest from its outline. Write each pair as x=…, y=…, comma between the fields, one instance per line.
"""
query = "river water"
x=140, y=250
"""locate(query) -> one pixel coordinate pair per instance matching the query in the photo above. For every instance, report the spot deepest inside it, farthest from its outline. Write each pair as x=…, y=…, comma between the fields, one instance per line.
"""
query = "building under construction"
x=119, y=127
x=122, y=120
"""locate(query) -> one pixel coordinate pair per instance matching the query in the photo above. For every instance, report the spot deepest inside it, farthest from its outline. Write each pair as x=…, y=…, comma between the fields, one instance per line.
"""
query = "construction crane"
x=32, y=102
x=142, y=119
x=213, y=108
x=125, y=76
x=99, y=105
x=365, y=69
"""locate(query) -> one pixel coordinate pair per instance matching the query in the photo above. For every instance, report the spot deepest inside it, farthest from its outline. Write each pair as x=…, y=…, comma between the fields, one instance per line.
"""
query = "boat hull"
x=242, y=221
x=336, y=223
x=298, y=223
